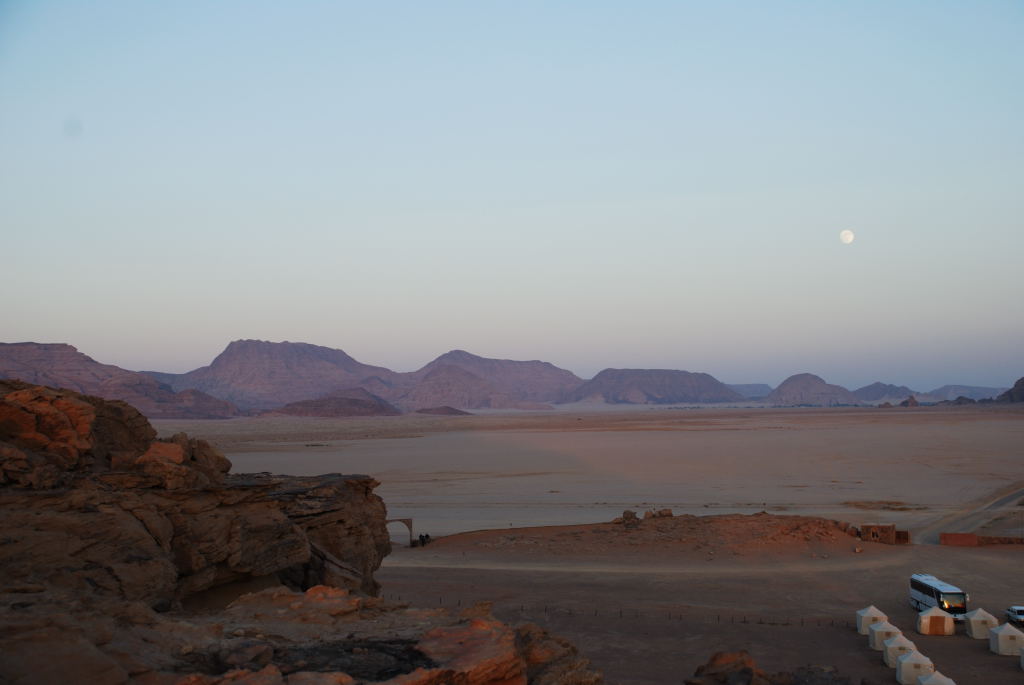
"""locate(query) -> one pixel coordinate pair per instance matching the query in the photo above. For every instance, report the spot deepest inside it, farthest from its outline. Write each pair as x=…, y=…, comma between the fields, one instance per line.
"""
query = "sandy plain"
x=651, y=612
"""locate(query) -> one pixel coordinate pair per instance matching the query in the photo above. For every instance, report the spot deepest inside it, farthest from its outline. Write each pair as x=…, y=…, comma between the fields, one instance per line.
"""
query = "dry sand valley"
x=649, y=605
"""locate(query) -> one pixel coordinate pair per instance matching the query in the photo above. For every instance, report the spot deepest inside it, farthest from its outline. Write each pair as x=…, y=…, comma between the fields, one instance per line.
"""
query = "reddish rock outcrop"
x=89, y=499
x=105, y=529
x=277, y=637
x=63, y=366
x=731, y=668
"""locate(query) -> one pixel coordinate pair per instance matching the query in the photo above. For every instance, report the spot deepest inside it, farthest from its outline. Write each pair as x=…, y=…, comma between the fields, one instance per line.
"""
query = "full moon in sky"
x=846, y=236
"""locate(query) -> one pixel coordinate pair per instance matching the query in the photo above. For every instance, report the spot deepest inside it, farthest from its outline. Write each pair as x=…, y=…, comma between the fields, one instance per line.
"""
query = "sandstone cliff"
x=92, y=500
x=109, y=533
x=64, y=366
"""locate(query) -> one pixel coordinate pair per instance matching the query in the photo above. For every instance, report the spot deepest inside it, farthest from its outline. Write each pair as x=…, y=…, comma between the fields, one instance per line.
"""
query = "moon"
x=846, y=236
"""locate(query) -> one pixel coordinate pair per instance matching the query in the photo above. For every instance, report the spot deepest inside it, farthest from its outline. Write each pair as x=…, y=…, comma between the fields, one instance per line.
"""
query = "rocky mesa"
x=653, y=386
x=109, y=534
x=808, y=390
x=62, y=365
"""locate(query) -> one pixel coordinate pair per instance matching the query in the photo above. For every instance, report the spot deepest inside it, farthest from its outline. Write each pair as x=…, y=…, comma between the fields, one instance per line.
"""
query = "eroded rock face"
x=90, y=501
x=1014, y=394
x=277, y=636
x=63, y=366
x=728, y=668
x=108, y=534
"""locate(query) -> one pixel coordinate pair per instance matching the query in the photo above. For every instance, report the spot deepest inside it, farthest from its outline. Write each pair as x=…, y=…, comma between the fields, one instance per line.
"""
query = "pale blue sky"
x=643, y=184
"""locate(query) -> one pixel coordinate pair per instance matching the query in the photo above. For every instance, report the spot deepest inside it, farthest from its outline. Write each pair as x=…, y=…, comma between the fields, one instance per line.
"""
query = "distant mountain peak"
x=654, y=386
x=806, y=389
x=61, y=365
x=880, y=392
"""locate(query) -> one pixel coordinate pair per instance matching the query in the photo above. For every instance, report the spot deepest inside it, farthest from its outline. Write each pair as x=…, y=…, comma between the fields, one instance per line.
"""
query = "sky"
x=600, y=184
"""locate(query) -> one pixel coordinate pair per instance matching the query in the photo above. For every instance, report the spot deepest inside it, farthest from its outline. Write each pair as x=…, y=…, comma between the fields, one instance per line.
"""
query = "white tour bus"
x=928, y=591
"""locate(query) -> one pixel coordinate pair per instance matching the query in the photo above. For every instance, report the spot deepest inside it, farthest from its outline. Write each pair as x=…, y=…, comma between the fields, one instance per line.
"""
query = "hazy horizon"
x=661, y=185
x=926, y=387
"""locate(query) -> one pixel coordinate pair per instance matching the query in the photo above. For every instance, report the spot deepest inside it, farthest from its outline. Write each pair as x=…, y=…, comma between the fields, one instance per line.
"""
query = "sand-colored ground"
x=651, y=613
x=682, y=595
x=453, y=474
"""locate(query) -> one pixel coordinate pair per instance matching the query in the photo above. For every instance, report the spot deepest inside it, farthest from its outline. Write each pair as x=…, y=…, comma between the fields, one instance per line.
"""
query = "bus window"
x=953, y=601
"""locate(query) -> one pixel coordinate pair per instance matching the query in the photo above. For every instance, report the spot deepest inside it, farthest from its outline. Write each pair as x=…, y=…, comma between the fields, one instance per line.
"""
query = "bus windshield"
x=953, y=601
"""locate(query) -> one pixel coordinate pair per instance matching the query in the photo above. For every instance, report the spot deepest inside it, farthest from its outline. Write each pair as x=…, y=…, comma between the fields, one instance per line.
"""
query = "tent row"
x=912, y=667
x=899, y=653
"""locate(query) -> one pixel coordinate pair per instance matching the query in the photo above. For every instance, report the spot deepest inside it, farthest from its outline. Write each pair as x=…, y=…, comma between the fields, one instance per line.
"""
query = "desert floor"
x=651, y=611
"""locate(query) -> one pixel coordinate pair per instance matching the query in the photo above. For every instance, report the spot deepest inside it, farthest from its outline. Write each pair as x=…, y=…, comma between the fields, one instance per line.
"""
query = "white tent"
x=911, y=665
x=1005, y=640
x=935, y=621
x=894, y=648
x=879, y=633
x=867, y=616
x=935, y=678
x=978, y=623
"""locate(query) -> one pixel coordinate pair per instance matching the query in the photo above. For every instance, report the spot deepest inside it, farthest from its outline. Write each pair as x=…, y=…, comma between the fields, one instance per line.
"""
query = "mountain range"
x=254, y=377
x=63, y=366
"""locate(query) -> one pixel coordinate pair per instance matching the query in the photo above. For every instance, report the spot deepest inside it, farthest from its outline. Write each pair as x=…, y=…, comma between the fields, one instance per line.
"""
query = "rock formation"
x=92, y=500
x=808, y=390
x=910, y=402
x=951, y=392
x=259, y=375
x=522, y=381
x=1014, y=394
x=277, y=636
x=729, y=668
x=653, y=386
x=443, y=411
x=879, y=392
x=108, y=533
x=64, y=366
x=750, y=391
x=350, y=402
x=456, y=387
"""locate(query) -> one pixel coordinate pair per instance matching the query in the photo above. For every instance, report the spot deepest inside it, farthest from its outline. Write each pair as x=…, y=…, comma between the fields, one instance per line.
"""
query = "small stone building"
x=884, y=533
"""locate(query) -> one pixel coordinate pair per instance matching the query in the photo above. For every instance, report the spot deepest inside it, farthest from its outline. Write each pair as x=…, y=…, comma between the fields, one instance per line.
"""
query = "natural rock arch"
x=406, y=522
